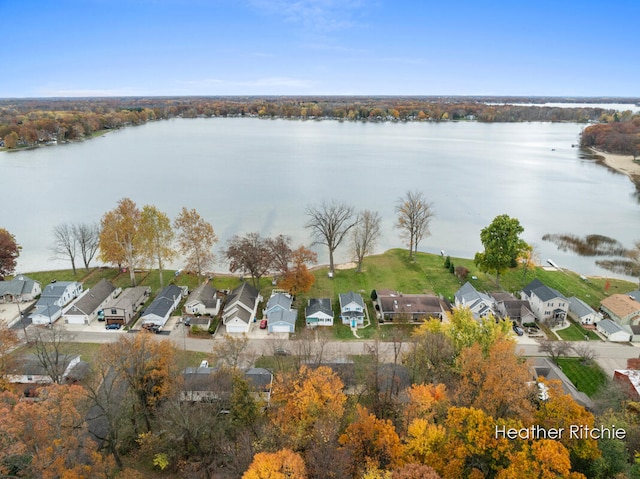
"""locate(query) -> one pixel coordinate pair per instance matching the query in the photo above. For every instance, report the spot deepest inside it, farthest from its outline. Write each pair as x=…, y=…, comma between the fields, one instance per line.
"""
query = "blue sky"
x=319, y=47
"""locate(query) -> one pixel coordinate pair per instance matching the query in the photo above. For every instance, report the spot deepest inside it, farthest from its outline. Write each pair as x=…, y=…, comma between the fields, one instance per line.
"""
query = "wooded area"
x=28, y=122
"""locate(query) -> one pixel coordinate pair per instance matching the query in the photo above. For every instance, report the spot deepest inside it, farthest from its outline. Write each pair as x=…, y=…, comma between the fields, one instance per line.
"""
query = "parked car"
x=518, y=330
x=263, y=324
x=282, y=352
x=112, y=326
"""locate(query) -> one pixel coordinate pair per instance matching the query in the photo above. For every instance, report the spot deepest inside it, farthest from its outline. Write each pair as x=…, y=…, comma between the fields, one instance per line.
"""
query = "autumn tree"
x=371, y=441
x=48, y=438
x=148, y=369
x=415, y=471
x=9, y=252
x=502, y=245
x=364, y=235
x=283, y=464
x=464, y=330
x=119, y=244
x=250, y=254
x=542, y=459
x=298, y=278
x=329, y=223
x=497, y=383
x=53, y=351
x=431, y=354
x=414, y=216
x=195, y=239
x=8, y=342
x=307, y=406
x=65, y=244
x=155, y=238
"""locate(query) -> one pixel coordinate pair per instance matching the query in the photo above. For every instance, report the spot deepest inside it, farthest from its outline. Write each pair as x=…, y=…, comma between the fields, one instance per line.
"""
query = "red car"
x=263, y=324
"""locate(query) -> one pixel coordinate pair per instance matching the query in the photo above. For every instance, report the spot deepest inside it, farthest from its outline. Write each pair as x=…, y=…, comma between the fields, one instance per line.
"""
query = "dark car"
x=518, y=330
x=112, y=326
x=282, y=352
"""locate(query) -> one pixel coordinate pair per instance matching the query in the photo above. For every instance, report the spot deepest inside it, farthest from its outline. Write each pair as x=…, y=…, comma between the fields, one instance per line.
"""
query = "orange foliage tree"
x=48, y=438
x=284, y=464
x=372, y=442
x=298, y=279
x=542, y=459
x=308, y=405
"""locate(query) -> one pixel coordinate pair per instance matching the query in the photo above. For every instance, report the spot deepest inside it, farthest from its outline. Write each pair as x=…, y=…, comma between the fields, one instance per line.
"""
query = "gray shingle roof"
x=206, y=294
x=317, y=305
x=280, y=299
x=610, y=327
x=288, y=316
x=19, y=285
x=93, y=298
x=579, y=307
x=245, y=294
x=542, y=291
x=346, y=298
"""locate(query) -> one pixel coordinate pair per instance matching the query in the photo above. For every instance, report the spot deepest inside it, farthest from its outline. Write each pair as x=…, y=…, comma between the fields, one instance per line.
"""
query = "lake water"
x=245, y=175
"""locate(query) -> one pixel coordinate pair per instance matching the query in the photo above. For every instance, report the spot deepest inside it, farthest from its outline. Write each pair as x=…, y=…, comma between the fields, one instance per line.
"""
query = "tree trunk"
x=330, y=261
x=132, y=275
x=160, y=272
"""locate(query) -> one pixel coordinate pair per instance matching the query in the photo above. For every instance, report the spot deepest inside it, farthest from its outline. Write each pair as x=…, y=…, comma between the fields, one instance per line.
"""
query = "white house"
x=160, y=309
x=351, y=309
x=203, y=300
x=612, y=331
x=319, y=312
x=281, y=321
x=85, y=308
x=480, y=304
x=582, y=311
x=241, y=308
x=29, y=369
x=278, y=302
x=546, y=303
x=53, y=298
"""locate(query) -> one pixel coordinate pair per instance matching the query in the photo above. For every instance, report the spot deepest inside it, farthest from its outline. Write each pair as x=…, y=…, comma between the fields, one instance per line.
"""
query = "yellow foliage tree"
x=284, y=464
x=542, y=459
x=308, y=405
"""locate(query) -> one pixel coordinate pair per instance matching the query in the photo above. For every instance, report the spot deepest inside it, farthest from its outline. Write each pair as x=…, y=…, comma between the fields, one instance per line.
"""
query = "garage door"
x=236, y=329
x=278, y=328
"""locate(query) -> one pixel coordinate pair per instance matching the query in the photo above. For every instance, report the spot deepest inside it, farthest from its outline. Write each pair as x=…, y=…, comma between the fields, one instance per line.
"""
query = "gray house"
x=163, y=305
x=241, y=308
x=278, y=302
x=582, y=311
x=21, y=288
x=281, y=321
x=85, y=308
x=547, y=304
x=203, y=300
x=613, y=331
x=121, y=310
x=480, y=304
x=53, y=298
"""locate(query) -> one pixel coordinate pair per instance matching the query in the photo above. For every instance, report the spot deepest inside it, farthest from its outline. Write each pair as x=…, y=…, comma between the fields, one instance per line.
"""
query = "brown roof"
x=410, y=303
x=621, y=305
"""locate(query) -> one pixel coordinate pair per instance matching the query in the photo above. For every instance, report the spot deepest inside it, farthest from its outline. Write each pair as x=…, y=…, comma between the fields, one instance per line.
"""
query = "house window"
x=114, y=311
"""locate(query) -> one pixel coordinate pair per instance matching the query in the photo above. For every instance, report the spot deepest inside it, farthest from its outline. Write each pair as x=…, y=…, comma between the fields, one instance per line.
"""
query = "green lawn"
x=588, y=378
x=576, y=332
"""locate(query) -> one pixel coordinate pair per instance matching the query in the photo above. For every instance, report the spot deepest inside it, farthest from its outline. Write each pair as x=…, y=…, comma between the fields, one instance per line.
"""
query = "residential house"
x=392, y=305
x=19, y=289
x=629, y=379
x=281, y=321
x=203, y=300
x=548, y=305
x=52, y=299
x=621, y=308
x=613, y=331
x=160, y=309
x=216, y=385
x=480, y=304
x=509, y=307
x=120, y=310
x=85, y=308
x=277, y=302
x=352, y=309
x=319, y=312
x=241, y=308
x=582, y=311
x=29, y=369
x=544, y=367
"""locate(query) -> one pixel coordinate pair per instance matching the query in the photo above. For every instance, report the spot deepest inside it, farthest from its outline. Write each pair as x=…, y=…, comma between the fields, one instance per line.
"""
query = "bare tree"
x=365, y=235
x=88, y=238
x=232, y=351
x=65, y=244
x=555, y=349
x=196, y=238
x=414, y=215
x=329, y=224
x=281, y=253
x=250, y=254
x=53, y=352
x=585, y=352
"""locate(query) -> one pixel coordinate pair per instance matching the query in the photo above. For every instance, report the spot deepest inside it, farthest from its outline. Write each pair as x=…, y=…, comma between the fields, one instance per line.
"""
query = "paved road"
x=610, y=356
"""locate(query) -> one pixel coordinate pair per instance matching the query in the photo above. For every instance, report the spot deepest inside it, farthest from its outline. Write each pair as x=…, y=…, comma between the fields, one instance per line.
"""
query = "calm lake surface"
x=245, y=175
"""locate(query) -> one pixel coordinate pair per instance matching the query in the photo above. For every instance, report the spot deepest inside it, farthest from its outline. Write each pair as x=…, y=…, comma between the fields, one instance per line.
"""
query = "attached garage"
x=283, y=321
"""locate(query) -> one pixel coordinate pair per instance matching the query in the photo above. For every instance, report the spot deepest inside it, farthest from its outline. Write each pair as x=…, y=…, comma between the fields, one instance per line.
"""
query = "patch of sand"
x=622, y=163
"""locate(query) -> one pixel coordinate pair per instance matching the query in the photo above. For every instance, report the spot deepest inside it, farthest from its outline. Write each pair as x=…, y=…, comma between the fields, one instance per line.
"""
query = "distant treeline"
x=27, y=122
x=621, y=137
